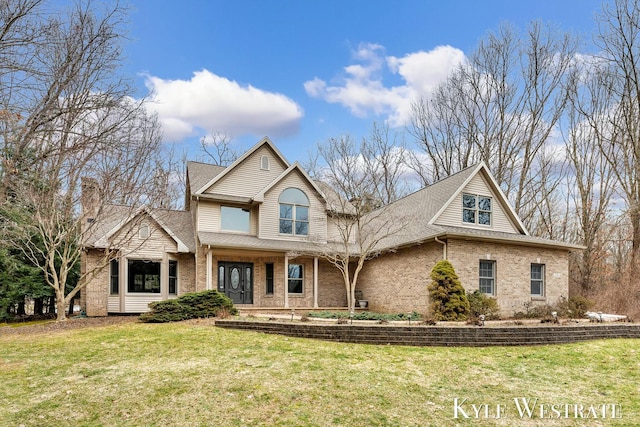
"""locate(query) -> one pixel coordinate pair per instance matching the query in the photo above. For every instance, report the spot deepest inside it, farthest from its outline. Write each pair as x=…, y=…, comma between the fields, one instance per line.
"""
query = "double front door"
x=235, y=279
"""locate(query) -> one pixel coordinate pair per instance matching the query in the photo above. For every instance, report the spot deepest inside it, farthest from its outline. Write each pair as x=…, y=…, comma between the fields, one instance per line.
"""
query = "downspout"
x=444, y=248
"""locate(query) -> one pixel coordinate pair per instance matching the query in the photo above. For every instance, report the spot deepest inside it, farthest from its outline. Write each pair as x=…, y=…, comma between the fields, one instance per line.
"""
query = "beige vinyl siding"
x=208, y=217
x=139, y=303
x=152, y=247
x=333, y=230
x=113, y=305
x=247, y=179
x=477, y=186
x=269, y=220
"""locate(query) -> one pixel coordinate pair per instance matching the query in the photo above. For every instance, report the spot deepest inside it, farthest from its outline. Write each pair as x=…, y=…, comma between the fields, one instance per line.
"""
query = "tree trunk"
x=60, y=307
x=635, y=249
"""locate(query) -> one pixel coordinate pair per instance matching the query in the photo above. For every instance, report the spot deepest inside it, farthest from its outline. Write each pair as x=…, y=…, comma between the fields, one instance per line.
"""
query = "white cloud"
x=210, y=103
x=362, y=90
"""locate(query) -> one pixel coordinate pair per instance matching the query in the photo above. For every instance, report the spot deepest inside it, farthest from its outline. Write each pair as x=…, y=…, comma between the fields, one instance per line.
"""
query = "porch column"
x=164, y=276
x=123, y=281
x=286, y=281
x=315, y=282
x=209, y=268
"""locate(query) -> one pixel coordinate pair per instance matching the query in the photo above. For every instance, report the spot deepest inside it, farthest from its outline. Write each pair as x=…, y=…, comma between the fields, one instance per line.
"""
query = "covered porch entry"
x=254, y=279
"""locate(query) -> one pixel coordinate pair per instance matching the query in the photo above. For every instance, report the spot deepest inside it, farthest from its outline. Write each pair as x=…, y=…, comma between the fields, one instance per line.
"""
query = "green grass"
x=196, y=375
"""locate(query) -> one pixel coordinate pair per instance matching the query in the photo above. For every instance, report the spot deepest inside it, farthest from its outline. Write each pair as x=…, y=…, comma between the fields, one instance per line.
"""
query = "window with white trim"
x=296, y=278
x=476, y=209
x=115, y=277
x=235, y=219
x=173, y=277
x=264, y=163
x=144, y=276
x=269, y=278
x=487, y=277
x=294, y=212
x=143, y=231
x=537, y=280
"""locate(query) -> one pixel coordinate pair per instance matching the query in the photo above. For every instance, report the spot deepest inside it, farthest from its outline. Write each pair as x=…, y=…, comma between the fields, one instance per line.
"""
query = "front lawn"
x=193, y=374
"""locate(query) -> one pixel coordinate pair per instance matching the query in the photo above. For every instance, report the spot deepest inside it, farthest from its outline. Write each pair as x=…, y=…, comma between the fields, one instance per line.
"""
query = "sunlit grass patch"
x=190, y=374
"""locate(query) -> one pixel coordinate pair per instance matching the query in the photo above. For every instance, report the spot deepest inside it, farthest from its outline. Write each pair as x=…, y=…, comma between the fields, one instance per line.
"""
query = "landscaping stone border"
x=458, y=336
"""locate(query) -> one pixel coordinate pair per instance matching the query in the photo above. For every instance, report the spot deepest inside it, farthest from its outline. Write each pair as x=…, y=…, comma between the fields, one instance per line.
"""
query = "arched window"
x=294, y=212
x=264, y=163
x=143, y=231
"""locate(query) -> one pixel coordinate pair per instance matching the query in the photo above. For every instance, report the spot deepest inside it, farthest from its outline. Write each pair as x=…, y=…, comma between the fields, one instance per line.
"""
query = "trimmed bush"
x=189, y=306
x=206, y=304
x=448, y=298
x=480, y=303
x=164, y=311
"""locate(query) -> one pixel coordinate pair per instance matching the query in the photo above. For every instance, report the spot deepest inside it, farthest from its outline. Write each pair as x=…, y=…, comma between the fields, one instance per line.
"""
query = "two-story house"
x=257, y=231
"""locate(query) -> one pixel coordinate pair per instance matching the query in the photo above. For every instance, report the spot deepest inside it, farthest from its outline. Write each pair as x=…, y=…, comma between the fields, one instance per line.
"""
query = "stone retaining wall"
x=440, y=335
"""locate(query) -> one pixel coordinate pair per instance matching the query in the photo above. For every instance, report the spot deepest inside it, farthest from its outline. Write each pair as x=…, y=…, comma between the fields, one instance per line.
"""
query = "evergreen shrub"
x=189, y=306
x=448, y=298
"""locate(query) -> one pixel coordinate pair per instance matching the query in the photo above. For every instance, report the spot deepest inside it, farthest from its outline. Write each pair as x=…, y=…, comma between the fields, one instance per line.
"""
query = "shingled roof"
x=198, y=174
x=177, y=224
x=416, y=213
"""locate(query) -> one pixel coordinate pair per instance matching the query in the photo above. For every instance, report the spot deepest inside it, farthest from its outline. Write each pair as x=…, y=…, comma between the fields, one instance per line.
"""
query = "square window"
x=469, y=201
x=302, y=228
x=476, y=209
x=144, y=276
x=469, y=216
x=484, y=218
x=286, y=226
x=484, y=203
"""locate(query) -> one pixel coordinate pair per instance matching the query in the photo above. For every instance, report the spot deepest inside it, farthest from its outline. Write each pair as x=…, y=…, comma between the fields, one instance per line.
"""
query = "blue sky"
x=303, y=71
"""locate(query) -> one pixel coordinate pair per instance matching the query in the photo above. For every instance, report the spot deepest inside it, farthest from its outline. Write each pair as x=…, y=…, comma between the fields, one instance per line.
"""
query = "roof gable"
x=480, y=170
x=296, y=167
x=265, y=142
x=181, y=230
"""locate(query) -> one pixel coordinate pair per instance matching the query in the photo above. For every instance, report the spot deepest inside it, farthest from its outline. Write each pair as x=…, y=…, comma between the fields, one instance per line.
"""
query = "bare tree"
x=217, y=146
x=500, y=107
x=69, y=118
x=359, y=219
x=619, y=40
x=592, y=175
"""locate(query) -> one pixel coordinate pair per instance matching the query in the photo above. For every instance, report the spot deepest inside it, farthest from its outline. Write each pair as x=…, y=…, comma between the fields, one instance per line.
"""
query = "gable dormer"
x=249, y=174
x=480, y=204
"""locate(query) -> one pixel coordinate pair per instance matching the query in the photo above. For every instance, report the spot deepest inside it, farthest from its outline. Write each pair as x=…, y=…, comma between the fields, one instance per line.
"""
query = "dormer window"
x=264, y=163
x=476, y=209
x=294, y=212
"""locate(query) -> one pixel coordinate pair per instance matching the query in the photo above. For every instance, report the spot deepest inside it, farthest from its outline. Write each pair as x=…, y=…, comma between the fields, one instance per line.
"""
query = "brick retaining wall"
x=440, y=335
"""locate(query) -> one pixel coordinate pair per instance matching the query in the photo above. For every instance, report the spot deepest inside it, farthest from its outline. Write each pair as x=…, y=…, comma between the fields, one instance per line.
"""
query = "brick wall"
x=513, y=271
x=397, y=282
x=331, y=289
x=439, y=335
x=186, y=273
x=96, y=292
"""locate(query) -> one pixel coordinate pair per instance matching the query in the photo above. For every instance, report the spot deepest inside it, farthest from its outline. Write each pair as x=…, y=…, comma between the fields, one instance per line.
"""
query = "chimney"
x=90, y=200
